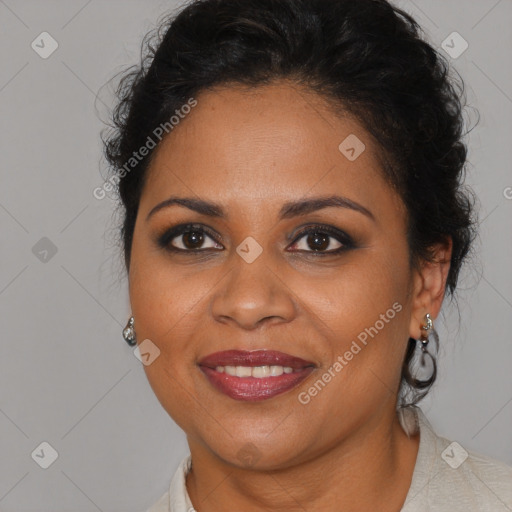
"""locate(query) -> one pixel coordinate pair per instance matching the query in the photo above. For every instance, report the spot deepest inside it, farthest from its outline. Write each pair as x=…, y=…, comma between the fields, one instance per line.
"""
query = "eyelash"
x=164, y=240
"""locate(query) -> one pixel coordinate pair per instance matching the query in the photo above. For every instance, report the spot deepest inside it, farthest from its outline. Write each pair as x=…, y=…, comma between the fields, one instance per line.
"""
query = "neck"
x=370, y=470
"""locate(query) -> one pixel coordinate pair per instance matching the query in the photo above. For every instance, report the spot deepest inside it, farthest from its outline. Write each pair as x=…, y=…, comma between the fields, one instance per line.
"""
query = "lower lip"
x=252, y=388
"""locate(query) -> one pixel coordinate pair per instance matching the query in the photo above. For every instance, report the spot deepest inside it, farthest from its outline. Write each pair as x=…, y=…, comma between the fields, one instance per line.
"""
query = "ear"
x=429, y=283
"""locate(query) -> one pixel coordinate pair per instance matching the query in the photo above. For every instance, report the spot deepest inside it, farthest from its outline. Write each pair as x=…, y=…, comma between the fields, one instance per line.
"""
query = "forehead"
x=271, y=143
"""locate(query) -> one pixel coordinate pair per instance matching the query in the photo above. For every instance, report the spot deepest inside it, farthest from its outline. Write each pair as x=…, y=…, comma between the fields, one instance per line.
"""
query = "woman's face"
x=256, y=282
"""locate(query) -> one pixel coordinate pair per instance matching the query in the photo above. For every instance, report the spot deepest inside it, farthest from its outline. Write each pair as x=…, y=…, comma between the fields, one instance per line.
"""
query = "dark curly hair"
x=366, y=57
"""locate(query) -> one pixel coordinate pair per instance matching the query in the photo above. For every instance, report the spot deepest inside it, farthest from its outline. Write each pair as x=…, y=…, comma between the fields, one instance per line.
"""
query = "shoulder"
x=447, y=477
x=490, y=474
x=469, y=480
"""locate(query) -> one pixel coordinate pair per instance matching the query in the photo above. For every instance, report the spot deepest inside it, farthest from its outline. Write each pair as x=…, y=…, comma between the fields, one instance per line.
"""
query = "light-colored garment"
x=446, y=477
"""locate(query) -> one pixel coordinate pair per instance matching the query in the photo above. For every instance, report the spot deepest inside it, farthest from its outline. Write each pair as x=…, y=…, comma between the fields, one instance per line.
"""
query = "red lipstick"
x=254, y=375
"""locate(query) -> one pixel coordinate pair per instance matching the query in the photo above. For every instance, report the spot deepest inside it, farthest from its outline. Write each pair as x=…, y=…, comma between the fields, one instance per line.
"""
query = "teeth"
x=254, y=371
x=230, y=370
x=275, y=371
x=243, y=371
x=260, y=371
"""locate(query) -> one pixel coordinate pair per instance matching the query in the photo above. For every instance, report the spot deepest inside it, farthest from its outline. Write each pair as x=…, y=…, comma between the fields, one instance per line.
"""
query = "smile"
x=254, y=375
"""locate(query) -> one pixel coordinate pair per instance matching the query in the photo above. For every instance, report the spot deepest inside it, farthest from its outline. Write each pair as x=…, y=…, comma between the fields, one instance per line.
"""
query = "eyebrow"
x=288, y=210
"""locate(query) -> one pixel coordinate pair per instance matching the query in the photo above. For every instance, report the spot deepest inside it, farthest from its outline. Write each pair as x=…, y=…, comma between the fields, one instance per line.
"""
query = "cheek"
x=168, y=303
x=362, y=359
x=164, y=296
x=361, y=309
x=358, y=291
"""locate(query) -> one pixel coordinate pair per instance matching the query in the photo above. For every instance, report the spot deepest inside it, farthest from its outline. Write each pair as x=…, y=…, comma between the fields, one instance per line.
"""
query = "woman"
x=291, y=176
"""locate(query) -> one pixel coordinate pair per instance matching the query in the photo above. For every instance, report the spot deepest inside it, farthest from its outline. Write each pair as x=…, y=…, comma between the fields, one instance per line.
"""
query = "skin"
x=251, y=151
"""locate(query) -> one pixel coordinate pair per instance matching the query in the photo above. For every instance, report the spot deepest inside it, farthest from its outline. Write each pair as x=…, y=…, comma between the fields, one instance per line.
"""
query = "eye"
x=319, y=240
x=188, y=238
x=322, y=240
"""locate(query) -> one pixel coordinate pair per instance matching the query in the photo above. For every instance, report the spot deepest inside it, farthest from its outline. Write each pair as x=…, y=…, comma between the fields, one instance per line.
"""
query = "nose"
x=253, y=294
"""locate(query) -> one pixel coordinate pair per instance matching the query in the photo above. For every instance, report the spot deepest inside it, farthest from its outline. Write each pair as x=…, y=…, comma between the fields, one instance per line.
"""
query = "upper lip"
x=253, y=358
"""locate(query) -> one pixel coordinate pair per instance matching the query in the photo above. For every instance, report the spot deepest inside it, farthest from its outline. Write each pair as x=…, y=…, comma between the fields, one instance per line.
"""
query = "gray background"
x=66, y=375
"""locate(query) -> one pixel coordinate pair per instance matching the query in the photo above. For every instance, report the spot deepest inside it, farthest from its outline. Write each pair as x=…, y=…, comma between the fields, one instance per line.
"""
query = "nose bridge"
x=252, y=291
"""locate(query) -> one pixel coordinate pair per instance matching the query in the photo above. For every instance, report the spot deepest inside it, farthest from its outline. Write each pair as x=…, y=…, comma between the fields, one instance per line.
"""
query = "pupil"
x=196, y=237
x=318, y=241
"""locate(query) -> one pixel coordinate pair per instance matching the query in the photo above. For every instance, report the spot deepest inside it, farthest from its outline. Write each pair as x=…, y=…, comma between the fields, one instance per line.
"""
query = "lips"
x=250, y=388
x=254, y=358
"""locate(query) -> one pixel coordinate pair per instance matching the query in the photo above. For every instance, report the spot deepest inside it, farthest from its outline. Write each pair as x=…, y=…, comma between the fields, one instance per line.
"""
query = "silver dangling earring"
x=424, y=339
x=129, y=332
x=418, y=372
x=422, y=371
